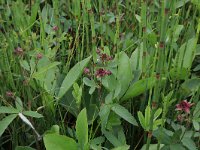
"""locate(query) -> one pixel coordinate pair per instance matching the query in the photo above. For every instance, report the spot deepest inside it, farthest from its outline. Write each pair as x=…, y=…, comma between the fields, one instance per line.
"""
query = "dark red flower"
x=55, y=28
x=18, y=51
x=102, y=72
x=9, y=94
x=105, y=57
x=39, y=56
x=184, y=106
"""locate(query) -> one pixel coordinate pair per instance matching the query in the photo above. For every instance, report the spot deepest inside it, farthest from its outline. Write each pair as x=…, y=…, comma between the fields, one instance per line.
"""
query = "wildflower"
x=102, y=72
x=39, y=56
x=184, y=106
x=105, y=57
x=86, y=71
x=9, y=94
x=18, y=51
x=55, y=28
x=180, y=118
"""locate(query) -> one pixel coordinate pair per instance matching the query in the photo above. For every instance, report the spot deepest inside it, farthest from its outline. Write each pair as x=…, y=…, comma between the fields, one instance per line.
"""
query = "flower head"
x=18, y=51
x=39, y=56
x=55, y=28
x=86, y=71
x=184, y=106
x=102, y=72
x=9, y=94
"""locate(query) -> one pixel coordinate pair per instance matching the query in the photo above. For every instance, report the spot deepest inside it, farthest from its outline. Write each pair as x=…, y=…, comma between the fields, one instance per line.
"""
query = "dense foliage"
x=99, y=74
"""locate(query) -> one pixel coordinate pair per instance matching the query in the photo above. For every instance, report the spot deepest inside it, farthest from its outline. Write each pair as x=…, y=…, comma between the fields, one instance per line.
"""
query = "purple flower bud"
x=18, y=51
x=55, y=28
x=9, y=94
x=86, y=71
x=39, y=56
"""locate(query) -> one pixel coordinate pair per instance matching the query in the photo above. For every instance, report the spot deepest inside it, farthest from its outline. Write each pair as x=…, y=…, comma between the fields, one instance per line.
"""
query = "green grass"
x=45, y=46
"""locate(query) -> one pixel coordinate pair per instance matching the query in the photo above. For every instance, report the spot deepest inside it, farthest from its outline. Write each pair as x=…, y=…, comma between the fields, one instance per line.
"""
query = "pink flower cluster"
x=99, y=72
x=18, y=51
x=104, y=57
x=102, y=72
x=184, y=106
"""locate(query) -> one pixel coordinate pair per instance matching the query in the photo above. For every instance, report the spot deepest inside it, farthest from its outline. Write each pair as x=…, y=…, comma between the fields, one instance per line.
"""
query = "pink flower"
x=86, y=71
x=9, y=94
x=39, y=56
x=18, y=51
x=55, y=28
x=184, y=106
x=102, y=72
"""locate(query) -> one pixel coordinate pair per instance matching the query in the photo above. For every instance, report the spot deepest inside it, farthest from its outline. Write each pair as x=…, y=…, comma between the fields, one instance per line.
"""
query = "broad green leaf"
x=181, y=3
x=19, y=104
x=125, y=147
x=25, y=65
x=191, y=84
x=189, y=143
x=136, y=59
x=5, y=122
x=186, y=54
x=141, y=119
x=104, y=114
x=89, y=82
x=24, y=148
x=59, y=142
x=176, y=147
x=196, y=112
x=112, y=139
x=32, y=114
x=124, y=74
x=196, y=125
x=9, y=110
x=152, y=147
x=124, y=113
x=44, y=69
x=177, y=32
x=72, y=76
x=82, y=128
x=138, y=88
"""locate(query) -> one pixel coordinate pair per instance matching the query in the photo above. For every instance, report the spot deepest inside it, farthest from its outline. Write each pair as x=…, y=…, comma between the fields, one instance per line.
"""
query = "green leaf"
x=5, y=122
x=24, y=148
x=124, y=74
x=124, y=113
x=139, y=87
x=25, y=64
x=59, y=142
x=125, y=147
x=44, y=69
x=112, y=139
x=82, y=128
x=19, y=104
x=136, y=58
x=157, y=113
x=186, y=54
x=147, y=116
x=191, y=84
x=141, y=119
x=104, y=114
x=181, y=3
x=152, y=147
x=189, y=143
x=32, y=114
x=9, y=110
x=72, y=76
